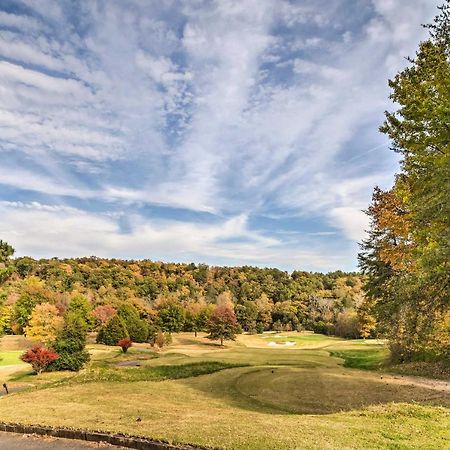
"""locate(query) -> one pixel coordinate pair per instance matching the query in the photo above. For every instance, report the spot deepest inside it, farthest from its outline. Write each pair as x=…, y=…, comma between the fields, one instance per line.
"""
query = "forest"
x=171, y=297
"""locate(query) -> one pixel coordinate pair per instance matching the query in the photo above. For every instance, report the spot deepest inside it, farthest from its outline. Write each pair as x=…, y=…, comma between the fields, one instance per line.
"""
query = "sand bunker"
x=281, y=344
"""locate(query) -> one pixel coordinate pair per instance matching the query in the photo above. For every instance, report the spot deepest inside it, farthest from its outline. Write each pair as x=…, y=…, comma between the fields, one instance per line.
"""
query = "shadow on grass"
x=367, y=359
x=288, y=390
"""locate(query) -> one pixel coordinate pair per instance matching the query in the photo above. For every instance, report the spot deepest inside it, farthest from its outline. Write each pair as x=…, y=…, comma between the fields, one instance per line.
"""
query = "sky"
x=228, y=132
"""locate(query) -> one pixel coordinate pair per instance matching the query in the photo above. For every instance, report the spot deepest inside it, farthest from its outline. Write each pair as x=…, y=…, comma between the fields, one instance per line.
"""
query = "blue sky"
x=225, y=132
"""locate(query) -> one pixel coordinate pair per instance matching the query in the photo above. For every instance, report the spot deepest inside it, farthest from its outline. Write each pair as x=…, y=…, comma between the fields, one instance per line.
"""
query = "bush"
x=259, y=327
x=125, y=343
x=160, y=339
x=112, y=332
x=39, y=357
x=167, y=338
x=70, y=345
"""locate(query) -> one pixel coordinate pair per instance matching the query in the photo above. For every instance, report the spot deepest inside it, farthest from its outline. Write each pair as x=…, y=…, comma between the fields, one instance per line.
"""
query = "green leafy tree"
x=70, y=344
x=136, y=327
x=112, y=332
x=80, y=305
x=246, y=314
x=22, y=311
x=6, y=251
x=406, y=256
x=171, y=317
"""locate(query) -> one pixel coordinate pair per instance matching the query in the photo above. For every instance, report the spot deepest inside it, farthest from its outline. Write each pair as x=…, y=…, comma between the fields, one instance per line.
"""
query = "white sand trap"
x=281, y=344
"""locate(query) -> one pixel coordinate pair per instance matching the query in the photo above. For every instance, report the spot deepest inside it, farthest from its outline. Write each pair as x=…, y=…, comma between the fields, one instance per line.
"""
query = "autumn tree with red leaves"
x=39, y=357
x=223, y=324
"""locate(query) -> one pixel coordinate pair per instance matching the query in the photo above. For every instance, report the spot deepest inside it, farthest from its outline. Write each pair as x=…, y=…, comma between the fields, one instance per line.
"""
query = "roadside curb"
x=95, y=436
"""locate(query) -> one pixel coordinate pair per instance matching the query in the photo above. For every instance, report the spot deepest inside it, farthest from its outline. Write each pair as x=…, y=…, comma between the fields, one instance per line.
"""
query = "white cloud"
x=86, y=233
x=229, y=108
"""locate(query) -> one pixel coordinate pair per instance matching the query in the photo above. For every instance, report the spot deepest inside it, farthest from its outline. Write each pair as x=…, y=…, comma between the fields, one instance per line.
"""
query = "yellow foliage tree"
x=44, y=323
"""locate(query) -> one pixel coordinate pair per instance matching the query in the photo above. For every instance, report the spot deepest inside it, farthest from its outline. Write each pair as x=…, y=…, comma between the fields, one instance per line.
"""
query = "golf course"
x=285, y=390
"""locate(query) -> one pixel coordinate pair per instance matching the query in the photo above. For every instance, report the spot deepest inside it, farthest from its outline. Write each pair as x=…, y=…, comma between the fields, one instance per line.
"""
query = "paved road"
x=13, y=441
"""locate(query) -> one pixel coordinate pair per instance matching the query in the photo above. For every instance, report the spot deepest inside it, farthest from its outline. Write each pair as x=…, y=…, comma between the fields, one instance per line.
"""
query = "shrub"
x=260, y=327
x=112, y=332
x=39, y=357
x=70, y=345
x=160, y=339
x=167, y=338
x=125, y=344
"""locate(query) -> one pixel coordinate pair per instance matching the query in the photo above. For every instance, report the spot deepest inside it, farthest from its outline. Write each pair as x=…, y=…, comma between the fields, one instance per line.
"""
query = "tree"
x=264, y=307
x=44, y=324
x=70, y=344
x=39, y=357
x=406, y=256
x=125, y=344
x=137, y=329
x=196, y=316
x=103, y=314
x=32, y=292
x=6, y=314
x=246, y=314
x=22, y=310
x=347, y=325
x=80, y=305
x=171, y=316
x=112, y=332
x=6, y=251
x=223, y=324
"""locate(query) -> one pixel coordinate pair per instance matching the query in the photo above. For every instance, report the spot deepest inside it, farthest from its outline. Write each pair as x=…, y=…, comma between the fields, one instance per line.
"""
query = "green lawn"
x=10, y=358
x=367, y=358
x=247, y=395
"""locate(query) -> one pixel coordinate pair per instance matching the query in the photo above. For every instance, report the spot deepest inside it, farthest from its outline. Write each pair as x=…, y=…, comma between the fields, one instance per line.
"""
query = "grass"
x=10, y=358
x=149, y=373
x=368, y=359
x=249, y=396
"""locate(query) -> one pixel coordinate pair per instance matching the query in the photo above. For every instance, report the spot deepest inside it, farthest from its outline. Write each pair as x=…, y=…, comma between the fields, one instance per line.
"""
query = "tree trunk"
x=221, y=341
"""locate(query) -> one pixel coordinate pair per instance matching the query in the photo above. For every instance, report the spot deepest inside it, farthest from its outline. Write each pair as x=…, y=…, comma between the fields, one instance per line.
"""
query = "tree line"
x=147, y=301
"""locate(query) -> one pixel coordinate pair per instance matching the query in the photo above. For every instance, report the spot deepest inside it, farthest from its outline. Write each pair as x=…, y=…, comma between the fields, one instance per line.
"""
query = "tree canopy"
x=407, y=253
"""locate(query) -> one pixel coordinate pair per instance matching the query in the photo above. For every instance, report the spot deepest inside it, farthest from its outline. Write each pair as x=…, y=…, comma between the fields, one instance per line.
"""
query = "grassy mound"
x=151, y=373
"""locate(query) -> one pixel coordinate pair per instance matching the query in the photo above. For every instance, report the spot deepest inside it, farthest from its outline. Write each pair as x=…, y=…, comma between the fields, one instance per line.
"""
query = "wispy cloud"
x=231, y=110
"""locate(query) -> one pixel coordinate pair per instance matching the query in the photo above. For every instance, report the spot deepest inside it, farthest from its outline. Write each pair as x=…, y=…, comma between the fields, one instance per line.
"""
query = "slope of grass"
x=10, y=358
x=368, y=359
x=286, y=398
x=151, y=373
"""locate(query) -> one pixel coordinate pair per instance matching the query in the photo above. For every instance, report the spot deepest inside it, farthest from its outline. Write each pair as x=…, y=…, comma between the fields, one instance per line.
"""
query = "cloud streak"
x=199, y=117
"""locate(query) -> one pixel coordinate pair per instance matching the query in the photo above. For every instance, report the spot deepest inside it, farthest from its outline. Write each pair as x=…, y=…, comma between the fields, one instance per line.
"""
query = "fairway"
x=246, y=395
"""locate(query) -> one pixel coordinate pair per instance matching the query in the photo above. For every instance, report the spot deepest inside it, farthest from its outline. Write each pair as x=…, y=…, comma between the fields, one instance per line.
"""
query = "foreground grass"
x=201, y=394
